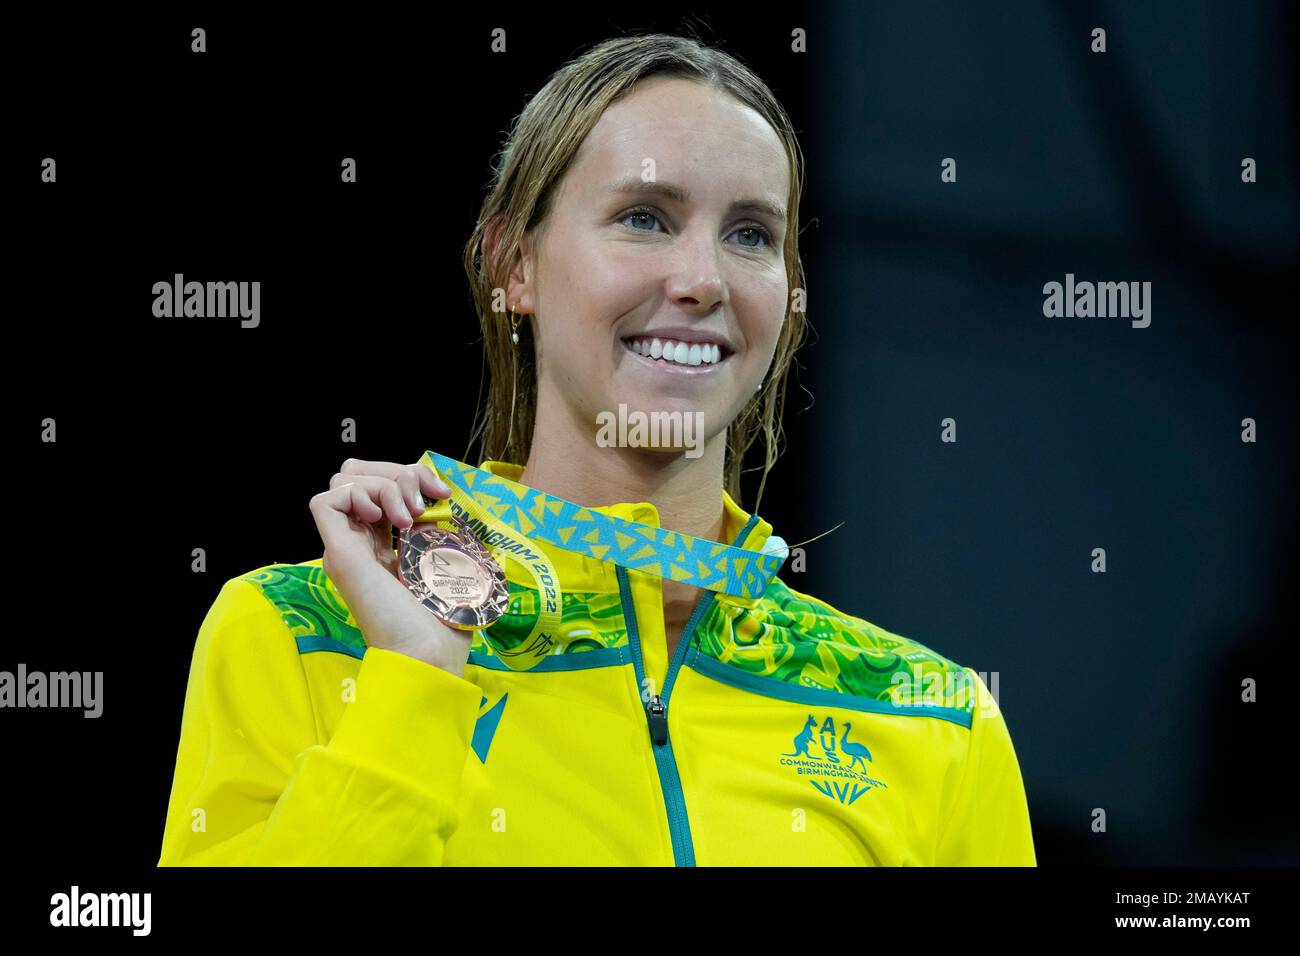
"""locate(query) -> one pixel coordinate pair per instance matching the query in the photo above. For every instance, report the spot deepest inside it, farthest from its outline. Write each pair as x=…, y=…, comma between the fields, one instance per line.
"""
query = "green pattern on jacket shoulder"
x=308, y=601
x=311, y=605
x=796, y=638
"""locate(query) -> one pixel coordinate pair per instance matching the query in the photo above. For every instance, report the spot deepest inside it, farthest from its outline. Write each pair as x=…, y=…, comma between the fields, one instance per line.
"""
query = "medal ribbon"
x=514, y=510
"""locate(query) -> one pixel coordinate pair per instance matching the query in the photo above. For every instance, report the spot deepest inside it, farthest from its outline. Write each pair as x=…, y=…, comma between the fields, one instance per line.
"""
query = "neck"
x=565, y=461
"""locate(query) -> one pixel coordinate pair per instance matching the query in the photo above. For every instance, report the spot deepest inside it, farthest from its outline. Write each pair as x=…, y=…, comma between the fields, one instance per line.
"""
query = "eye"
x=639, y=213
x=643, y=213
x=758, y=230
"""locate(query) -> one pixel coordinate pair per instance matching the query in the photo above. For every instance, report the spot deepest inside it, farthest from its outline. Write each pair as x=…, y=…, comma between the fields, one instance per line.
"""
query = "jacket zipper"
x=656, y=710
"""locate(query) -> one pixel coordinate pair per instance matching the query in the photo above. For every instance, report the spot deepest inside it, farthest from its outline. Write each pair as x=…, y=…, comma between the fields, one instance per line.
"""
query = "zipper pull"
x=657, y=714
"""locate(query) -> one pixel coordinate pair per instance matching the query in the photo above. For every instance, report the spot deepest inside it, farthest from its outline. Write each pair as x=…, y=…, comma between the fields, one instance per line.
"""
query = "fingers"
x=332, y=511
x=375, y=497
x=413, y=480
x=430, y=481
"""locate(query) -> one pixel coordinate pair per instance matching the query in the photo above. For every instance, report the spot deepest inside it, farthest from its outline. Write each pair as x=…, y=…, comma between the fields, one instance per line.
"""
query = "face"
x=667, y=295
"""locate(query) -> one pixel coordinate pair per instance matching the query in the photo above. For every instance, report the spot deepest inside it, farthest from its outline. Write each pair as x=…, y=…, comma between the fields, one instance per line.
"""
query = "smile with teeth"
x=673, y=351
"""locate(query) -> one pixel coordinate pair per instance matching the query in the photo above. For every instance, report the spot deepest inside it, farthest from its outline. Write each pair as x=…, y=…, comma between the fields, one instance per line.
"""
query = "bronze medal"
x=452, y=574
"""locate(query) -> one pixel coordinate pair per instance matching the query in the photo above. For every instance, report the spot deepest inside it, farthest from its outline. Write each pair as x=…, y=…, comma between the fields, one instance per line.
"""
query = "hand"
x=355, y=518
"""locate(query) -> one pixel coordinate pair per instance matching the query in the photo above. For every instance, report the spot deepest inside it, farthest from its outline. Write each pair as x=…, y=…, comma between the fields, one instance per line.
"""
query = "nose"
x=697, y=283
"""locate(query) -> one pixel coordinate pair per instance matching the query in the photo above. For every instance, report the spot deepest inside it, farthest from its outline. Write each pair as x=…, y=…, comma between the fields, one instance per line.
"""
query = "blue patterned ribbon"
x=629, y=544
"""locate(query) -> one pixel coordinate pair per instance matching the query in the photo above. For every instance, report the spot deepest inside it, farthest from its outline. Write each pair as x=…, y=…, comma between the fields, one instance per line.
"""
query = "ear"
x=517, y=286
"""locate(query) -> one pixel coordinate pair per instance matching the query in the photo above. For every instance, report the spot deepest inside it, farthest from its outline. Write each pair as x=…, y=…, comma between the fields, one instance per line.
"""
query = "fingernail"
x=419, y=502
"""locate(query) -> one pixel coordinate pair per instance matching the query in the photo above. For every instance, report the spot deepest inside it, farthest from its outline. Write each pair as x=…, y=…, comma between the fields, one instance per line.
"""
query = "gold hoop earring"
x=514, y=326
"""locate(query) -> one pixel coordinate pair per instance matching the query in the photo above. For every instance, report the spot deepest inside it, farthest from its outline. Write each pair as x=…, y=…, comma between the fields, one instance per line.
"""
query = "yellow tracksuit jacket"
x=781, y=733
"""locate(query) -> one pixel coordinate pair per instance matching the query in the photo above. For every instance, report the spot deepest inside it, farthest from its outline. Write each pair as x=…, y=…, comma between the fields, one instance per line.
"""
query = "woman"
x=644, y=218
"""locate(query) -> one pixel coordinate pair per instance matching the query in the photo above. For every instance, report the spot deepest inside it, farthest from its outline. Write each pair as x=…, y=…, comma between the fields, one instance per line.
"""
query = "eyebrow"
x=637, y=186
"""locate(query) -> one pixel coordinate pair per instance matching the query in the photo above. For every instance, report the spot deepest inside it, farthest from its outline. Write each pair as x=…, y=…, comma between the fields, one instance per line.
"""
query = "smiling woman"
x=633, y=702
x=712, y=263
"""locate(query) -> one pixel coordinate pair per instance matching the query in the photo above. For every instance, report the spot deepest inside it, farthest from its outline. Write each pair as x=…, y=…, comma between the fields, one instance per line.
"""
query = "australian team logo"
x=838, y=768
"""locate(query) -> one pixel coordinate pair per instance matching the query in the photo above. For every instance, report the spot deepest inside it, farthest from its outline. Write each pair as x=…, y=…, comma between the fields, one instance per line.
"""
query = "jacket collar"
x=580, y=573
